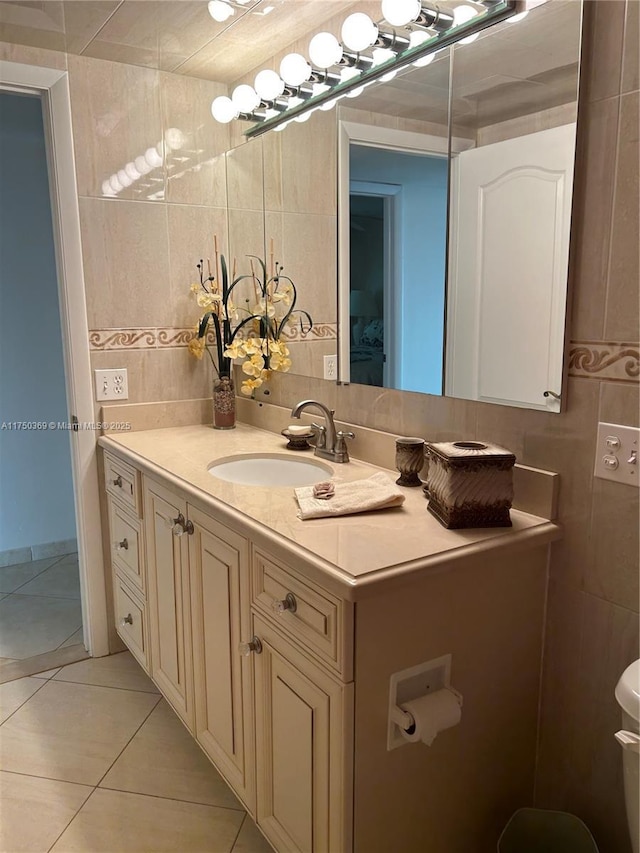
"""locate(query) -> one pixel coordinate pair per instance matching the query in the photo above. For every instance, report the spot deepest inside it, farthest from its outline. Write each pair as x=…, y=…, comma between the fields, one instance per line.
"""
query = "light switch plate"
x=617, y=453
x=111, y=384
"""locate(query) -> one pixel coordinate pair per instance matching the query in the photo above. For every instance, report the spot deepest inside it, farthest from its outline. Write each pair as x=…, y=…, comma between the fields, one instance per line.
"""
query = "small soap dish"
x=298, y=441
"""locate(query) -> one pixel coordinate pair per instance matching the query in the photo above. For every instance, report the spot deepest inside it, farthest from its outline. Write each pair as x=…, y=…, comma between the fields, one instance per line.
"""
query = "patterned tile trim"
x=102, y=340
x=602, y=360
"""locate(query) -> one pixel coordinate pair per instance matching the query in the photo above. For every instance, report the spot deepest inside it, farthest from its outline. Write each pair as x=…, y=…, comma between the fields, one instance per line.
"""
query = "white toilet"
x=628, y=696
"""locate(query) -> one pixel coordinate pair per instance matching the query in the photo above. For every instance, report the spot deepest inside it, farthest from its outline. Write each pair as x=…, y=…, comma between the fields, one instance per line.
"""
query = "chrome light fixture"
x=410, y=33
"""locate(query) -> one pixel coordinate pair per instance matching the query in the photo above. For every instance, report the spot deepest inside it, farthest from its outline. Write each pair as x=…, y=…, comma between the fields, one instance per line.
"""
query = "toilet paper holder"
x=411, y=685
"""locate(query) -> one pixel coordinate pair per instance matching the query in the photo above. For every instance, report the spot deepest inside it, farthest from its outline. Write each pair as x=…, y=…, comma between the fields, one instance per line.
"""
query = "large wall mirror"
x=453, y=213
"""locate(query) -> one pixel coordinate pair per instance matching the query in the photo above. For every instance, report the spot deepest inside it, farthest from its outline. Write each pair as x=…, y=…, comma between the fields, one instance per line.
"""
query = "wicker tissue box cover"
x=470, y=484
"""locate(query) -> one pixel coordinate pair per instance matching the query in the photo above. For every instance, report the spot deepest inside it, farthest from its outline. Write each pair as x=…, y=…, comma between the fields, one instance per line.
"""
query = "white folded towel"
x=376, y=492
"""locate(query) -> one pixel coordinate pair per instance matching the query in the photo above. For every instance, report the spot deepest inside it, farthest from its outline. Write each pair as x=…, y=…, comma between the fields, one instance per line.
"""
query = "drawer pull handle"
x=124, y=545
x=182, y=526
x=118, y=481
x=128, y=620
x=254, y=645
x=287, y=603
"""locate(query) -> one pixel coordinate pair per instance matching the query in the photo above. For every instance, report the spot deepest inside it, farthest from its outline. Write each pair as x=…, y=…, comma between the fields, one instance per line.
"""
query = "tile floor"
x=94, y=760
x=39, y=607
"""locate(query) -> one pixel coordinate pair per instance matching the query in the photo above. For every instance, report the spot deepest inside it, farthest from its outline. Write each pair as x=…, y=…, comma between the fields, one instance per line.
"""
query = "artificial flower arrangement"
x=252, y=331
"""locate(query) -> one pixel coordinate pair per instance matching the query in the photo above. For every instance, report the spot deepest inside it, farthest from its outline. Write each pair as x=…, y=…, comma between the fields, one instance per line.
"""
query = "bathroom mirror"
x=514, y=82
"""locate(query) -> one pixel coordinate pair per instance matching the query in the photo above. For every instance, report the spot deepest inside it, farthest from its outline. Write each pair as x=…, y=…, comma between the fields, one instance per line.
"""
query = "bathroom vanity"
x=274, y=640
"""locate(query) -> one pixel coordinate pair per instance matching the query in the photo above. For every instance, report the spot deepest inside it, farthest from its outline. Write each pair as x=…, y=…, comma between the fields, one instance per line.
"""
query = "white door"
x=508, y=273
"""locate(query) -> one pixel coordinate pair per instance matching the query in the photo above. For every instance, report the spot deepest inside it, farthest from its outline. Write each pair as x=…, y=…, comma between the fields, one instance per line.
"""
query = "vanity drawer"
x=131, y=622
x=308, y=614
x=123, y=482
x=126, y=545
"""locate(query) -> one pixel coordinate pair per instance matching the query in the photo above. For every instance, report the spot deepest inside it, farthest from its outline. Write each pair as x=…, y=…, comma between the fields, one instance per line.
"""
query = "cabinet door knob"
x=254, y=645
x=182, y=526
x=287, y=603
x=128, y=620
x=118, y=481
x=124, y=545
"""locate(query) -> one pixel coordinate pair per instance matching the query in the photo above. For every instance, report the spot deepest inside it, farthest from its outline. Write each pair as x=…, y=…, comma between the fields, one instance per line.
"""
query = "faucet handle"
x=341, y=446
x=320, y=435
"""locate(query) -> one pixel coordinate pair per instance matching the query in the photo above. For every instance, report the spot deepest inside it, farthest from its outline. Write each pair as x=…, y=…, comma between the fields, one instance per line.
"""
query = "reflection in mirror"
x=514, y=95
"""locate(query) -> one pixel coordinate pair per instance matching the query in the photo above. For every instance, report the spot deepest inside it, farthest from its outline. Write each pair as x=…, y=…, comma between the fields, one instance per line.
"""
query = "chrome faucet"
x=330, y=444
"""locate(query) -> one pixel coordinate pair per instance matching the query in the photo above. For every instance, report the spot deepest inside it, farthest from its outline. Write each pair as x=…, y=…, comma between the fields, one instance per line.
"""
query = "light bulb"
x=325, y=50
x=132, y=172
x=359, y=32
x=115, y=184
x=328, y=105
x=420, y=37
x=219, y=11
x=245, y=98
x=469, y=39
x=519, y=17
x=400, y=12
x=382, y=55
x=142, y=166
x=319, y=88
x=303, y=117
x=124, y=179
x=348, y=74
x=268, y=85
x=107, y=189
x=153, y=158
x=355, y=93
x=223, y=109
x=282, y=126
x=174, y=138
x=462, y=14
x=294, y=69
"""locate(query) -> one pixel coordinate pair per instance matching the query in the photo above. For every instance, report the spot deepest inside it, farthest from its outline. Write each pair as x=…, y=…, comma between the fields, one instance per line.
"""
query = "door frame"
x=52, y=86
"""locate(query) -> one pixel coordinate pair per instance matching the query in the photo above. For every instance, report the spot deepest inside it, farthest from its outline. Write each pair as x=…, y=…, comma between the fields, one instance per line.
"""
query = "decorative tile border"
x=604, y=360
x=103, y=340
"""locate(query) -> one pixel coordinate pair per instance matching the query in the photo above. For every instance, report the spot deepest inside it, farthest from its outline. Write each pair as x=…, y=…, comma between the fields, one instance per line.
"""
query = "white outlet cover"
x=617, y=454
x=111, y=384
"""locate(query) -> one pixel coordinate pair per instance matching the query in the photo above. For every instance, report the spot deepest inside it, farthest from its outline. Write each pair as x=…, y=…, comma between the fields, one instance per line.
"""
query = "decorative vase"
x=409, y=460
x=224, y=403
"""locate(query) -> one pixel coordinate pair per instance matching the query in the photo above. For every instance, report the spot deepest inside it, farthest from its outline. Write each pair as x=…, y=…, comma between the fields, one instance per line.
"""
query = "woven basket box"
x=470, y=484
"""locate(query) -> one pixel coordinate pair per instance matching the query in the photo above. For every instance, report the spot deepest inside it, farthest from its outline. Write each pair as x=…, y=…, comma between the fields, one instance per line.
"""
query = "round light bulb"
x=107, y=189
x=462, y=14
x=115, y=184
x=219, y=11
x=382, y=55
x=400, y=12
x=469, y=39
x=303, y=117
x=223, y=109
x=281, y=127
x=359, y=32
x=142, y=166
x=355, y=93
x=294, y=69
x=153, y=158
x=174, y=138
x=519, y=17
x=348, y=74
x=329, y=105
x=124, y=179
x=420, y=37
x=245, y=98
x=132, y=172
x=268, y=85
x=325, y=50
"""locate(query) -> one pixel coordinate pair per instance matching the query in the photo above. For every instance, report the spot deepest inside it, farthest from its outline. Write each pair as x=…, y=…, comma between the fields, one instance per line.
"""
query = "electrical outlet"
x=617, y=453
x=330, y=366
x=111, y=384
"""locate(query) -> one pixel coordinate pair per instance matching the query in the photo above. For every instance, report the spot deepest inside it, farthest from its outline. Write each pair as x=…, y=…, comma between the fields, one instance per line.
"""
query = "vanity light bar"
x=344, y=69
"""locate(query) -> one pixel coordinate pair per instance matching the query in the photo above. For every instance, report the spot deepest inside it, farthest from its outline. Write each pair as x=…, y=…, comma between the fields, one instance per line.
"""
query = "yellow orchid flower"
x=235, y=350
x=196, y=347
x=208, y=300
x=249, y=386
x=251, y=369
x=195, y=288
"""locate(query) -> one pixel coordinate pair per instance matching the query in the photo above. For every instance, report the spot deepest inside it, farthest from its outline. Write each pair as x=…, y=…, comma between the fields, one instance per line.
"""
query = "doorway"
x=51, y=87
x=40, y=607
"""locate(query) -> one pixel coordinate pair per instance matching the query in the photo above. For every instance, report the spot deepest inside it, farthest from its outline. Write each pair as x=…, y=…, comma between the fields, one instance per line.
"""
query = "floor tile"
x=49, y=673
x=250, y=839
x=15, y=693
x=35, y=811
x=54, y=549
x=12, y=577
x=164, y=760
x=130, y=823
x=120, y=670
x=72, y=732
x=61, y=580
x=6, y=660
x=31, y=624
x=76, y=637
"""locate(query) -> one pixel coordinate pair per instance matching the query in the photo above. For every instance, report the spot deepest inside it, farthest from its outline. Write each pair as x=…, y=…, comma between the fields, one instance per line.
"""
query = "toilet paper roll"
x=432, y=714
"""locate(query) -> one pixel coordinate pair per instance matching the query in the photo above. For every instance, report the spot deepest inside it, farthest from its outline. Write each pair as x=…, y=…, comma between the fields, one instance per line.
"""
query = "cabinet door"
x=218, y=560
x=303, y=748
x=168, y=598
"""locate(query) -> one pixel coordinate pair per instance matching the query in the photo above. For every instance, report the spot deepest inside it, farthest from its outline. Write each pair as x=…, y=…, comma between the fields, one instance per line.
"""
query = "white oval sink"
x=269, y=469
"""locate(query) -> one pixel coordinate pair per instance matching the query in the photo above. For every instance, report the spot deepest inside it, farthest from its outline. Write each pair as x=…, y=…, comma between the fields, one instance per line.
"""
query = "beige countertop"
x=354, y=552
